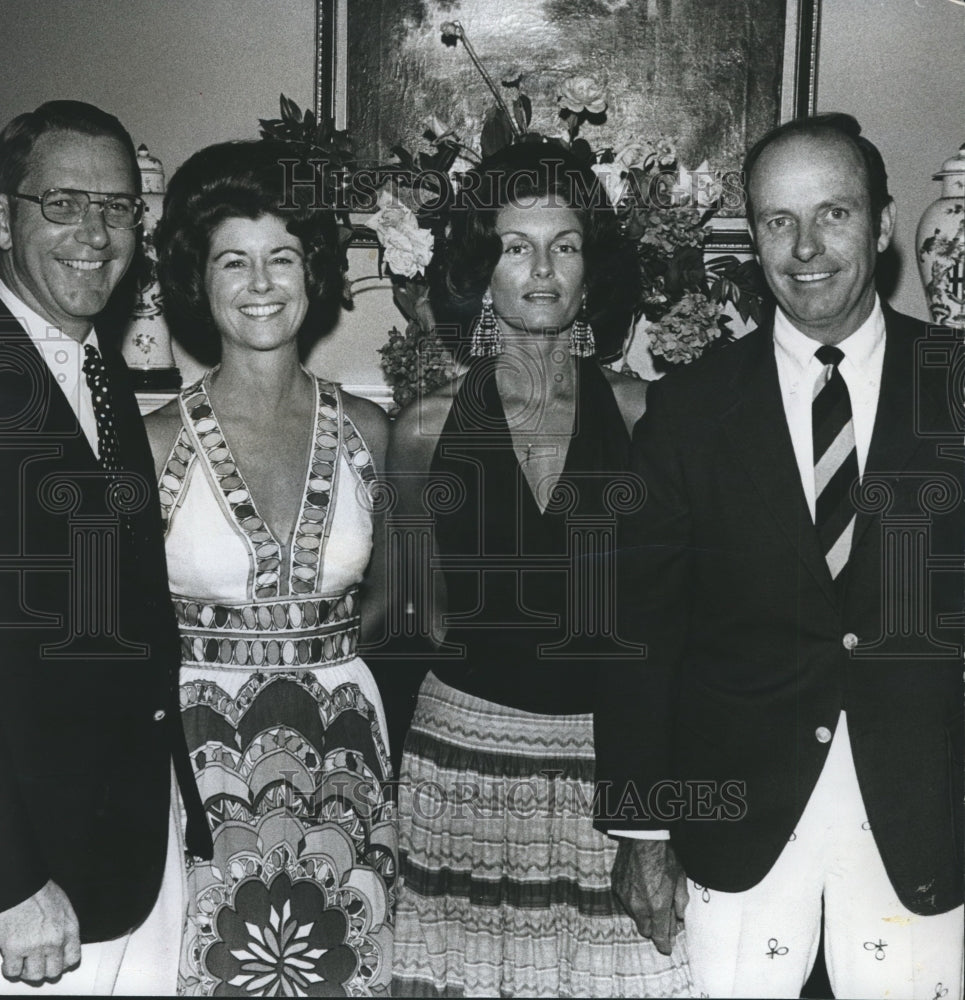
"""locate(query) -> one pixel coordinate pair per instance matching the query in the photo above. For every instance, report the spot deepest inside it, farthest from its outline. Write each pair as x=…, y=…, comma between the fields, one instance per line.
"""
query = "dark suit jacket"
x=721, y=576
x=89, y=716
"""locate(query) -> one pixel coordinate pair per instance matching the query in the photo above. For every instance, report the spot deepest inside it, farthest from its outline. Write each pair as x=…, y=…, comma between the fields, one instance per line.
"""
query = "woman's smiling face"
x=255, y=282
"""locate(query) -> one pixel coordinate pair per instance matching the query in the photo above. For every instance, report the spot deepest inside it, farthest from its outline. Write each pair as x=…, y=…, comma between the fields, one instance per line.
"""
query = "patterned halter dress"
x=283, y=720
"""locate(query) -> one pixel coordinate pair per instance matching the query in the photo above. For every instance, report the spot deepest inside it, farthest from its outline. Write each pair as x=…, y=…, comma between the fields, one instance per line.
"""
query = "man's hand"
x=40, y=937
x=652, y=888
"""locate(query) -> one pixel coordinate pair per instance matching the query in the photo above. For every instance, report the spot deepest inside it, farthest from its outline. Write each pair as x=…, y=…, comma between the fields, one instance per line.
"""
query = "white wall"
x=899, y=67
x=180, y=74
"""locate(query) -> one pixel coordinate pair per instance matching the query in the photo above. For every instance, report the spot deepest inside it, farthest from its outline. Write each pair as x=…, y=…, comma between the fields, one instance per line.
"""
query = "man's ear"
x=888, y=214
x=6, y=223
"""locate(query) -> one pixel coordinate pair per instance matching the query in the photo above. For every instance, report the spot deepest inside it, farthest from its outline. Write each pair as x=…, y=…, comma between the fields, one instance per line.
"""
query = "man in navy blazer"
x=89, y=717
x=796, y=724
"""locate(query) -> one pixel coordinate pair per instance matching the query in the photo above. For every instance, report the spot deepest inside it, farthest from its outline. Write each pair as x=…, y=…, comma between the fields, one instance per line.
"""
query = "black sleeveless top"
x=531, y=604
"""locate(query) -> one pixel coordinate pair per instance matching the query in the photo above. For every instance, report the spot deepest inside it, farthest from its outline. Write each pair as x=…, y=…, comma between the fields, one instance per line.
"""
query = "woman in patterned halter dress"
x=514, y=474
x=266, y=481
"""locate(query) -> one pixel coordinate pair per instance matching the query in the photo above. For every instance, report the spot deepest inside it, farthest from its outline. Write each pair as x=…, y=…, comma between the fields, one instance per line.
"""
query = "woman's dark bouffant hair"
x=462, y=270
x=244, y=179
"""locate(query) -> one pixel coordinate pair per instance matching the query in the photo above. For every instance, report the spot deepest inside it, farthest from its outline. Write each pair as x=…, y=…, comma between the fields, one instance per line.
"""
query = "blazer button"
x=823, y=734
x=849, y=641
x=159, y=715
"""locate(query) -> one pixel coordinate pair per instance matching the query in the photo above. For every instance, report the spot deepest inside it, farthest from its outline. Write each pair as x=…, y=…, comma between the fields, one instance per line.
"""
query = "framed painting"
x=710, y=76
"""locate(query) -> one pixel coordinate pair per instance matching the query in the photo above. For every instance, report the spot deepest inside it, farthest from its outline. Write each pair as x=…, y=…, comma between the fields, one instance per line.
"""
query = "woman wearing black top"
x=521, y=463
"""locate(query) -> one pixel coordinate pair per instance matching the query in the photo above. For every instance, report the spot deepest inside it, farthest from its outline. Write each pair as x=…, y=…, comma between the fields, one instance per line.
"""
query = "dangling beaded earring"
x=582, y=344
x=487, y=340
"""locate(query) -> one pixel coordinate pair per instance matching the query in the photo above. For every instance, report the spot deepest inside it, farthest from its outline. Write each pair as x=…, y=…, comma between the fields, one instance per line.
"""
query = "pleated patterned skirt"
x=505, y=882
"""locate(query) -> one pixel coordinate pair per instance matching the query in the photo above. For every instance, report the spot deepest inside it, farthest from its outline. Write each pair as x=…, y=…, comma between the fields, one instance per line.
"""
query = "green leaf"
x=583, y=151
x=404, y=157
x=723, y=266
x=497, y=132
x=272, y=130
x=442, y=159
x=403, y=301
x=523, y=110
x=289, y=109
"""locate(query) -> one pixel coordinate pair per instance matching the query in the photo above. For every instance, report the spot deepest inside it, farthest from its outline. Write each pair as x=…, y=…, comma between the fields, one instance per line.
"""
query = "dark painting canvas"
x=704, y=73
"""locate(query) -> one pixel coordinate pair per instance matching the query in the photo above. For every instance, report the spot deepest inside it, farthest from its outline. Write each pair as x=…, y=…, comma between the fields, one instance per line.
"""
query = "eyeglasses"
x=68, y=207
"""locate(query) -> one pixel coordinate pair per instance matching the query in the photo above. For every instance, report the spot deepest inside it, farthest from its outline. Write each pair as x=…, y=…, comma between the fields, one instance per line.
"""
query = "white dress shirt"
x=64, y=356
x=798, y=371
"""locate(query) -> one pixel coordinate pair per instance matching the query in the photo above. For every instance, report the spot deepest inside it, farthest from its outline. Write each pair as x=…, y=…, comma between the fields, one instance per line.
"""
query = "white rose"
x=583, y=93
x=407, y=247
x=408, y=252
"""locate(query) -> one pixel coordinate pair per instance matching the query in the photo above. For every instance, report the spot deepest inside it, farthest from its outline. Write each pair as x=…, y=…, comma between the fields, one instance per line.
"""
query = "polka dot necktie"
x=100, y=392
x=835, y=461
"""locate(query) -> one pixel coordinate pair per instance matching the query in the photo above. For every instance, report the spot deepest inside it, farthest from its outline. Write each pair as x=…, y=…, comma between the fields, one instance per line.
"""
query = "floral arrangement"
x=663, y=208
x=414, y=361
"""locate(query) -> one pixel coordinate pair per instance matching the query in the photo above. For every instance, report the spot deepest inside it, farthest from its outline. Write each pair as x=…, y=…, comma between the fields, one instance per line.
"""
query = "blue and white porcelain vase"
x=940, y=246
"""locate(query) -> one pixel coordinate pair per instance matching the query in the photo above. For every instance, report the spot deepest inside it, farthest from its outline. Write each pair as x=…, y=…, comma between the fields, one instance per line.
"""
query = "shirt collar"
x=858, y=348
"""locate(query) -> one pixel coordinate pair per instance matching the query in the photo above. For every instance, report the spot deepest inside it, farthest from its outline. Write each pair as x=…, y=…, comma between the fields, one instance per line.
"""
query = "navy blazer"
x=751, y=645
x=89, y=715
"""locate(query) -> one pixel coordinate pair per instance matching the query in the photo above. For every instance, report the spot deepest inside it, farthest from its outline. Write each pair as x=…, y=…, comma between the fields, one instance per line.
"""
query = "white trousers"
x=763, y=942
x=143, y=962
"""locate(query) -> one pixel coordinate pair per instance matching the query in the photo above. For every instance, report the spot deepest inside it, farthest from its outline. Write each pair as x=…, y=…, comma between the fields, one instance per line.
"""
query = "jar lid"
x=152, y=173
x=953, y=165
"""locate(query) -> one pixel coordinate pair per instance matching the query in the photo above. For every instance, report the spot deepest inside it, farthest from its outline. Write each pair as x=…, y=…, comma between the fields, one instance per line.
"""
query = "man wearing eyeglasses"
x=90, y=853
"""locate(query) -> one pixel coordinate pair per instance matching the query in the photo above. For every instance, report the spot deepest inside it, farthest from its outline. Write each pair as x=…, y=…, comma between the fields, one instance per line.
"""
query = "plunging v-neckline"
x=275, y=558
x=303, y=551
x=283, y=542
x=336, y=446
x=500, y=414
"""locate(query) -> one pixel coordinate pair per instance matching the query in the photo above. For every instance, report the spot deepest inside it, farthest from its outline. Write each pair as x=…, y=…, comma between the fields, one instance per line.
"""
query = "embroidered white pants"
x=763, y=942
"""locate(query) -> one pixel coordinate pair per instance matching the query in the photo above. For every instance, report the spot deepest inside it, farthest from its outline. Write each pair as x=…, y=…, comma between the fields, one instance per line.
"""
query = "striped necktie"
x=835, y=461
x=100, y=393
